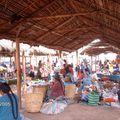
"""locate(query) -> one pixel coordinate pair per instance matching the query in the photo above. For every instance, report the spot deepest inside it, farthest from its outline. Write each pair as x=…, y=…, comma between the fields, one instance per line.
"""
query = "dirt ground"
x=80, y=112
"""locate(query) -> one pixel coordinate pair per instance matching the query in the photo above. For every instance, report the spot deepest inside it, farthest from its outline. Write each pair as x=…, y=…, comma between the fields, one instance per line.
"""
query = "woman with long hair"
x=8, y=103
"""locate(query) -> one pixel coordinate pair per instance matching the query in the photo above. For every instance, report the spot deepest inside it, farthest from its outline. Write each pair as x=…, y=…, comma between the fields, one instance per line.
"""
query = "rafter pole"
x=77, y=58
x=74, y=29
x=63, y=15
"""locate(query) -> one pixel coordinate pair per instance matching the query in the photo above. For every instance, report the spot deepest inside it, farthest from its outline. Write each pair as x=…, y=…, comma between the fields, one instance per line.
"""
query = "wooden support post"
x=24, y=65
x=33, y=57
x=24, y=71
x=77, y=58
x=60, y=54
x=30, y=59
x=18, y=70
x=50, y=62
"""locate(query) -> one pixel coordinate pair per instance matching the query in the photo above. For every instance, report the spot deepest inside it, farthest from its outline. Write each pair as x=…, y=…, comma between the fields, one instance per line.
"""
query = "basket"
x=40, y=89
x=70, y=90
x=33, y=102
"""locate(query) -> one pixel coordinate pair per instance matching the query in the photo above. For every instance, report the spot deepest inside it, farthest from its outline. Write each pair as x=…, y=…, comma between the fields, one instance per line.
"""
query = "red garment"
x=57, y=89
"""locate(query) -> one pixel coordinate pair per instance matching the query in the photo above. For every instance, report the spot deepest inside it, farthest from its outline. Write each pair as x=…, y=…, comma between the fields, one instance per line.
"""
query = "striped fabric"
x=93, y=98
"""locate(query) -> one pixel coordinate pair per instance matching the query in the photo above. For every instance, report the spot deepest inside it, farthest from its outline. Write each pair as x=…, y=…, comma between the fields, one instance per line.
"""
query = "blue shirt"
x=6, y=108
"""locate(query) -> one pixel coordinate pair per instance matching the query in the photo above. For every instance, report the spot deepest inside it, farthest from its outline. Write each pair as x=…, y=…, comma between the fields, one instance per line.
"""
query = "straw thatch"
x=61, y=24
x=7, y=48
x=96, y=48
x=99, y=50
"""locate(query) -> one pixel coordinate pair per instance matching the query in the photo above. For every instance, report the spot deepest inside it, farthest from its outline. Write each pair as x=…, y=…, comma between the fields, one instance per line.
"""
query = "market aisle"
x=80, y=112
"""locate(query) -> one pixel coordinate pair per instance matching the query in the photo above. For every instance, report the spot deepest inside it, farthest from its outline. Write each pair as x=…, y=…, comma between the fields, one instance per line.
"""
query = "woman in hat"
x=57, y=88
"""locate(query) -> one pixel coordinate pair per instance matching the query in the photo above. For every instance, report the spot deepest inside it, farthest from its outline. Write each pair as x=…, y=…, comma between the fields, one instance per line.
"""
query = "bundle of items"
x=55, y=106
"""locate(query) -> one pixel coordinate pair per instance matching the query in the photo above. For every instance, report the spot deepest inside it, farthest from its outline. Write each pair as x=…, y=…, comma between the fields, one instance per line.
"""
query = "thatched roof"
x=61, y=24
x=41, y=51
x=98, y=48
x=7, y=48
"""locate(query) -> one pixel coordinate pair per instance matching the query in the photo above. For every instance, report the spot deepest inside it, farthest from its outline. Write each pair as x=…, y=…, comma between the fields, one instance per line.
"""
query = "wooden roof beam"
x=63, y=15
x=74, y=29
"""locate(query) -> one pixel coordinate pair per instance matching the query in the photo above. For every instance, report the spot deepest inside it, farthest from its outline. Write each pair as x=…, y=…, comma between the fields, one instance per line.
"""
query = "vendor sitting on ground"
x=8, y=103
x=57, y=87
